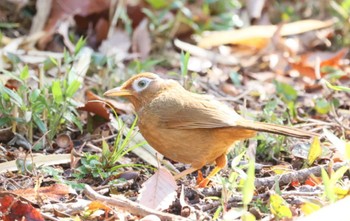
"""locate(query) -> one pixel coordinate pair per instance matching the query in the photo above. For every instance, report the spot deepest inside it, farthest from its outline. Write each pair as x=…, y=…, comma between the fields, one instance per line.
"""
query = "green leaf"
x=235, y=78
x=98, y=59
x=4, y=121
x=54, y=61
x=73, y=119
x=38, y=122
x=72, y=88
x=14, y=97
x=338, y=174
x=81, y=42
x=34, y=95
x=286, y=91
x=158, y=4
x=105, y=149
x=185, y=57
x=57, y=92
x=13, y=58
x=249, y=187
x=328, y=188
x=24, y=73
x=337, y=88
x=322, y=106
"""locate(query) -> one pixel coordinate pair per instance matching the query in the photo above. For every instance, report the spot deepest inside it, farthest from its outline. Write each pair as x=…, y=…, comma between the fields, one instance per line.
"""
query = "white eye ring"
x=141, y=84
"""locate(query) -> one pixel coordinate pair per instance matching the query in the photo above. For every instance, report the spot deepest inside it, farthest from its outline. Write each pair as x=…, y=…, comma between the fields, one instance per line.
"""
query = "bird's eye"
x=141, y=84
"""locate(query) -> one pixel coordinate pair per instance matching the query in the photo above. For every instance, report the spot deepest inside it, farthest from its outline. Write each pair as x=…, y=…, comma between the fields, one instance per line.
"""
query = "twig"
x=283, y=179
x=300, y=175
x=129, y=205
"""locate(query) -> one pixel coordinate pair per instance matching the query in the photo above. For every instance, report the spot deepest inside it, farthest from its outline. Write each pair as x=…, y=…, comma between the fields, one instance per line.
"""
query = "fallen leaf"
x=100, y=106
x=259, y=35
x=159, y=191
x=279, y=207
x=315, y=151
x=308, y=62
x=118, y=44
x=13, y=209
x=54, y=193
x=336, y=211
x=63, y=9
x=309, y=208
x=281, y=169
x=141, y=39
x=312, y=180
x=97, y=205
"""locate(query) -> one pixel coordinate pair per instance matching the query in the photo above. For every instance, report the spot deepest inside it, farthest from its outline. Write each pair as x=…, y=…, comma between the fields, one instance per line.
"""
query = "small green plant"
x=57, y=174
x=185, y=57
x=138, y=66
x=107, y=164
x=331, y=183
x=341, y=10
x=47, y=107
x=238, y=181
x=288, y=95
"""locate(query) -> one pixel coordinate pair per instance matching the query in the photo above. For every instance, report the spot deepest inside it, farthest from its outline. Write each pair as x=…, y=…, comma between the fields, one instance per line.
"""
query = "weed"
x=48, y=107
x=106, y=165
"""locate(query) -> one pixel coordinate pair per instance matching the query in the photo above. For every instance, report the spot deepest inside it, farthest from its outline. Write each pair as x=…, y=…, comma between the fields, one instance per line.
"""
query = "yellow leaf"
x=315, y=151
x=279, y=207
x=309, y=208
x=248, y=217
x=347, y=150
x=281, y=169
x=341, y=192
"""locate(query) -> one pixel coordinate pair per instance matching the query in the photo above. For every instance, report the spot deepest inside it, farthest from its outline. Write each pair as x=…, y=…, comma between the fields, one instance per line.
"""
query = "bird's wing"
x=199, y=112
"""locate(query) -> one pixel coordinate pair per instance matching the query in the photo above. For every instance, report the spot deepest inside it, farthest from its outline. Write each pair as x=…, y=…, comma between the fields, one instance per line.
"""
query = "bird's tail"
x=276, y=129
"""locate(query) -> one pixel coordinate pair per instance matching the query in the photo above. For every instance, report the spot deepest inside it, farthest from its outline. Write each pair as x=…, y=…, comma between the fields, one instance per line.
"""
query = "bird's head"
x=140, y=89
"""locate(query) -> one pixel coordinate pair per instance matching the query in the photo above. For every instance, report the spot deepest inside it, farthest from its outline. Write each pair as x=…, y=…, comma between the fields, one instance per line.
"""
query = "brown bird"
x=187, y=127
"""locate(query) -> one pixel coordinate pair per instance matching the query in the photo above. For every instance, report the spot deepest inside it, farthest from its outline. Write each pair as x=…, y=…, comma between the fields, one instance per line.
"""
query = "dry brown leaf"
x=97, y=105
x=159, y=191
x=53, y=193
x=12, y=208
x=258, y=36
x=63, y=9
x=118, y=44
x=141, y=39
x=97, y=205
x=308, y=62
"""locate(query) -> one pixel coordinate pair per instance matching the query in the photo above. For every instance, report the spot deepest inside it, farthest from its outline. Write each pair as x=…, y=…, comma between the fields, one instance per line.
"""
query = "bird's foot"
x=201, y=181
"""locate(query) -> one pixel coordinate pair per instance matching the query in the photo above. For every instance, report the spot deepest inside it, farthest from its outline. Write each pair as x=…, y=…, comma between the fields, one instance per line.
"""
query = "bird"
x=187, y=127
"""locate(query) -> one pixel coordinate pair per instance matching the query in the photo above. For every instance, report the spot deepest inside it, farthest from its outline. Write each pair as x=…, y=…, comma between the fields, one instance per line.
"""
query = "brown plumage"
x=188, y=127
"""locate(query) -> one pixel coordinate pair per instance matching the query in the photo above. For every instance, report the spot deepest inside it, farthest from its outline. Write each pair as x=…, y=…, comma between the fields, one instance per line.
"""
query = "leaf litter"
x=281, y=73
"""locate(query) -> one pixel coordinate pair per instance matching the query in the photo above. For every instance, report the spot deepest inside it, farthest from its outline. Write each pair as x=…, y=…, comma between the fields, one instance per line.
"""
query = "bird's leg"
x=185, y=172
x=221, y=162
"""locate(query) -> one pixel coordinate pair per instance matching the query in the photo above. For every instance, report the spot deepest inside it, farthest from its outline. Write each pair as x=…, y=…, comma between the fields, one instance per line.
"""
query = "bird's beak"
x=117, y=92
